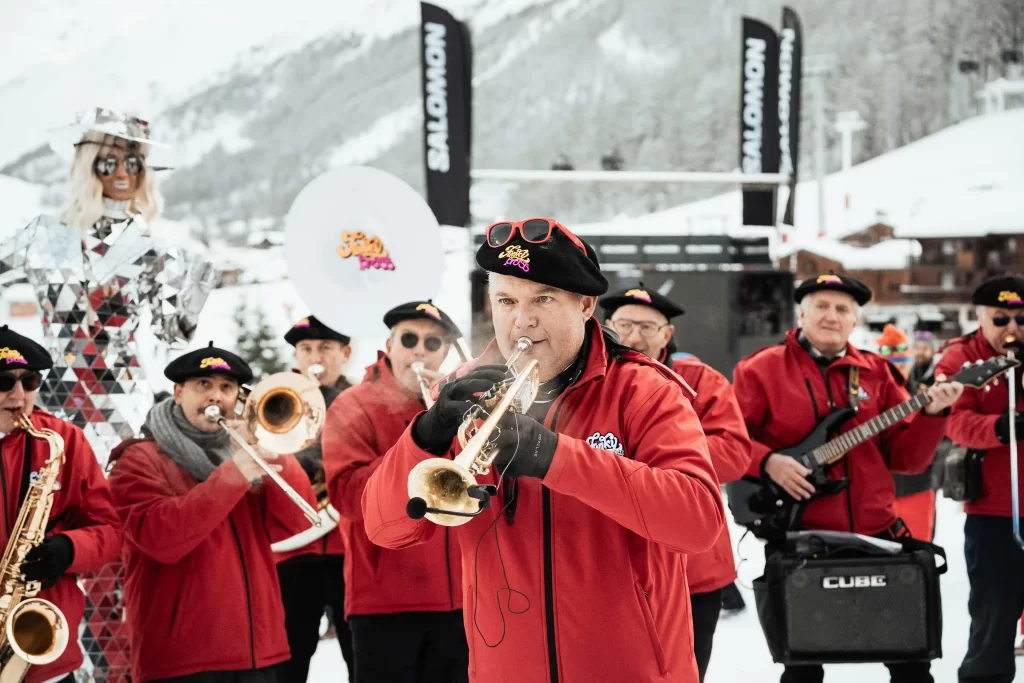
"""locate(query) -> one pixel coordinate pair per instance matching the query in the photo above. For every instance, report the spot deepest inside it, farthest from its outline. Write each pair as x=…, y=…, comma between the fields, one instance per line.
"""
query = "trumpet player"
x=198, y=518
x=575, y=571
x=643, y=320
x=403, y=604
x=981, y=421
x=312, y=576
x=83, y=532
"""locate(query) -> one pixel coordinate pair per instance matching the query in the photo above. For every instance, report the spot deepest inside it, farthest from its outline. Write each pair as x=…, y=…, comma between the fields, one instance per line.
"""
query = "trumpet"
x=417, y=368
x=446, y=491
x=285, y=412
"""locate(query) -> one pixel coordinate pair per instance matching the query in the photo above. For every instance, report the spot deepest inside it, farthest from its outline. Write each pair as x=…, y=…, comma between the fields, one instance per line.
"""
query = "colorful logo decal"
x=216, y=363
x=11, y=356
x=430, y=310
x=515, y=255
x=606, y=442
x=1012, y=298
x=370, y=250
x=830, y=279
x=639, y=294
x=303, y=323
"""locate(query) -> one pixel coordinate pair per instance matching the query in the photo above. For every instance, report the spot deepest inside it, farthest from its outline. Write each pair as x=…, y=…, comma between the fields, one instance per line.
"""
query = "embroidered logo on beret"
x=214, y=362
x=516, y=255
x=830, y=279
x=303, y=323
x=370, y=250
x=1007, y=297
x=12, y=356
x=639, y=294
x=430, y=310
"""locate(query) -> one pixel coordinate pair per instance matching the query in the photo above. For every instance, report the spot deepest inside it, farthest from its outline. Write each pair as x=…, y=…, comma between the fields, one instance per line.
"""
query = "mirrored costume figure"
x=92, y=280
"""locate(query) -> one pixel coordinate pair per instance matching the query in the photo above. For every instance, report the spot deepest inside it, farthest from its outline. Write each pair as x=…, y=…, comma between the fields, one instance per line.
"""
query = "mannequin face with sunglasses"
x=119, y=166
x=17, y=393
x=416, y=340
x=997, y=323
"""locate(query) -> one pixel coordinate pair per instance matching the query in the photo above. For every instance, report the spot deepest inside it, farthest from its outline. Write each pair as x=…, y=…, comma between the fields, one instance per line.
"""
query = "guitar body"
x=781, y=512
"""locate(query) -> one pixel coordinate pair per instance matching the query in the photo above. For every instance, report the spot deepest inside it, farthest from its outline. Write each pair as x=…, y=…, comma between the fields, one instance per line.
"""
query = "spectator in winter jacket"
x=404, y=604
x=923, y=372
x=200, y=582
x=312, y=577
x=576, y=569
x=785, y=390
x=995, y=565
x=642, y=318
x=82, y=533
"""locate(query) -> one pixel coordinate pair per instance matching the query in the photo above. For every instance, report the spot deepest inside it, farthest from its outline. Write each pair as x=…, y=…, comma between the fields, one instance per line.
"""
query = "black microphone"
x=417, y=508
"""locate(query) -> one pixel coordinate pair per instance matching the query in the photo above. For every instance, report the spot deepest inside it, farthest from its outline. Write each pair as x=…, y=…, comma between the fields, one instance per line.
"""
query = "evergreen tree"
x=258, y=346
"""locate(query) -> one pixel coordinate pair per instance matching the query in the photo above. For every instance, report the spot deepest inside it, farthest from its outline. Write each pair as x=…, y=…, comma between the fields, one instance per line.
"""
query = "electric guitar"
x=821, y=448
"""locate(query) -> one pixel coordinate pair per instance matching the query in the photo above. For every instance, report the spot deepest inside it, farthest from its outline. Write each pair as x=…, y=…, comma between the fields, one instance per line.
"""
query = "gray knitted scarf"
x=197, y=451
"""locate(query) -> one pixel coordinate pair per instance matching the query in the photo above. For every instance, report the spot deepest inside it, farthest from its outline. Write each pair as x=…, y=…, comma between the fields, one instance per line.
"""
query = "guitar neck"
x=847, y=441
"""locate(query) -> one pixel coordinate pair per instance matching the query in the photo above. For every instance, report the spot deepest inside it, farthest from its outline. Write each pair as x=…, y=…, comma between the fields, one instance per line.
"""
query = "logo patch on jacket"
x=606, y=442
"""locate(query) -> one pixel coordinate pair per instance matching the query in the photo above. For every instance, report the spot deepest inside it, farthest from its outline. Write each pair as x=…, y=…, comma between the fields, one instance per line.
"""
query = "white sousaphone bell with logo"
x=358, y=242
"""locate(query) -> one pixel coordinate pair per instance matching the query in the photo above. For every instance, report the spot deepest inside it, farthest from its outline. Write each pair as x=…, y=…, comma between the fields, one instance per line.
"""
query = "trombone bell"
x=285, y=412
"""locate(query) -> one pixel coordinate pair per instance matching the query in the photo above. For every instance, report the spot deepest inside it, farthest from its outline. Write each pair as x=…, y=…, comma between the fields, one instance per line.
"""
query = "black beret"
x=640, y=296
x=558, y=262
x=421, y=310
x=205, y=362
x=836, y=283
x=1001, y=291
x=20, y=352
x=311, y=328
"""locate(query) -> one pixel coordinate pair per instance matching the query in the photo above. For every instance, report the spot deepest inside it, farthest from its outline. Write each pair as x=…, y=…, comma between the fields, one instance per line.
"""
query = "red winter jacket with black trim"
x=82, y=510
x=601, y=541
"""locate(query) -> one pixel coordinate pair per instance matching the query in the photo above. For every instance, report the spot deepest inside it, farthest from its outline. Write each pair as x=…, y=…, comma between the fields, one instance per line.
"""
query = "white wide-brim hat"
x=65, y=139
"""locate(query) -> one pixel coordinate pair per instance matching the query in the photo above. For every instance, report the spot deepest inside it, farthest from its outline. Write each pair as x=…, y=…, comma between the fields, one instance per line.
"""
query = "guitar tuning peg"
x=988, y=388
x=966, y=364
x=995, y=381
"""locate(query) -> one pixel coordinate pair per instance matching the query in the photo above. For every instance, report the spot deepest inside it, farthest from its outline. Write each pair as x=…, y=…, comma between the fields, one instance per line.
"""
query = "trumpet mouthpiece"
x=212, y=413
x=417, y=366
x=524, y=343
x=316, y=369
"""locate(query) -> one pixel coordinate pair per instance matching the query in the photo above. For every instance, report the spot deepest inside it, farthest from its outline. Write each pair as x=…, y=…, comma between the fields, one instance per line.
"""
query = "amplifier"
x=851, y=609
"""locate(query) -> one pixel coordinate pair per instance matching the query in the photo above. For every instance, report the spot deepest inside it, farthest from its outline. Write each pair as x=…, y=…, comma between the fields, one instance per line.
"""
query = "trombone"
x=285, y=413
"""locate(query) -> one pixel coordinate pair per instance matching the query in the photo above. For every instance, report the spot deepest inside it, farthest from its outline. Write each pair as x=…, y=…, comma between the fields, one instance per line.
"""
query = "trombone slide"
x=1014, y=466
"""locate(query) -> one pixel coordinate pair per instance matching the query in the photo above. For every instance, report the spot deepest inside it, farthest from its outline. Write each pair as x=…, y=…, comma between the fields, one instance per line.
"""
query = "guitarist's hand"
x=789, y=474
x=944, y=394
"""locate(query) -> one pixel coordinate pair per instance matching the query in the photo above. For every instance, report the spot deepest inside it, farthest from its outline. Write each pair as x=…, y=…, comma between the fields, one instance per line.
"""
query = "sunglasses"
x=1004, y=320
x=532, y=230
x=29, y=381
x=889, y=350
x=107, y=166
x=411, y=339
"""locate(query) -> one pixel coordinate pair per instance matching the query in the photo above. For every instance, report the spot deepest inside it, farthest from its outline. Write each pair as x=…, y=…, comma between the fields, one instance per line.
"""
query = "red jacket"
x=972, y=424
x=82, y=510
x=200, y=580
x=783, y=395
x=589, y=581
x=729, y=446
x=362, y=424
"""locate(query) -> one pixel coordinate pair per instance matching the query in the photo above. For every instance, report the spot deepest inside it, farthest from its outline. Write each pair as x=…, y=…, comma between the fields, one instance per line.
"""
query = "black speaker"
x=852, y=609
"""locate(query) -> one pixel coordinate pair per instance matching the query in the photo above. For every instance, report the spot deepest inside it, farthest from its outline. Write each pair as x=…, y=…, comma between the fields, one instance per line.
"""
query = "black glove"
x=1003, y=427
x=526, y=447
x=435, y=429
x=48, y=561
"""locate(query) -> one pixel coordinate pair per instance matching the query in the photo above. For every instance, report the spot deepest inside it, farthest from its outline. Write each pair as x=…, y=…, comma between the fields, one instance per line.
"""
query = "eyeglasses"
x=1004, y=320
x=532, y=230
x=30, y=381
x=647, y=328
x=411, y=339
x=888, y=350
x=107, y=166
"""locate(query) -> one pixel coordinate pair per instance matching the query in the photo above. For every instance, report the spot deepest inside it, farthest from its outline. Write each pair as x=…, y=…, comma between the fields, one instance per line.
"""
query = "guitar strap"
x=853, y=387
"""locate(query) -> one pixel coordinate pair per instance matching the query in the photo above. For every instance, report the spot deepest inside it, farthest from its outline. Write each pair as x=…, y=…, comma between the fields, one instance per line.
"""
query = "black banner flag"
x=759, y=116
x=446, y=58
x=791, y=52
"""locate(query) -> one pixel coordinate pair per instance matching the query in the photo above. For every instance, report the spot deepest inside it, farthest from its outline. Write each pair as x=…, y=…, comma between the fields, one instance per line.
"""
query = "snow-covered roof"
x=972, y=212
x=887, y=255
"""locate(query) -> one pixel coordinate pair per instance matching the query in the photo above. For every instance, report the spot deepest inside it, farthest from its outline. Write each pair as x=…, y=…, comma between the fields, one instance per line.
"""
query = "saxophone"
x=32, y=630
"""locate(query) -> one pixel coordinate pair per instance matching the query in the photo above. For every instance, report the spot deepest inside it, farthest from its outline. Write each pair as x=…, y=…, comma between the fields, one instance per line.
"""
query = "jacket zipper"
x=448, y=566
x=248, y=597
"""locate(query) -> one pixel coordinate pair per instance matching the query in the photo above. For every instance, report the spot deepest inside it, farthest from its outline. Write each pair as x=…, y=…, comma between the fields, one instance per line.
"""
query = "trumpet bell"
x=285, y=412
x=443, y=484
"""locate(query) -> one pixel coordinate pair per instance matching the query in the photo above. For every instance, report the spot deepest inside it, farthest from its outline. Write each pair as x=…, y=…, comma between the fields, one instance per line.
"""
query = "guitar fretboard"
x=836, y=448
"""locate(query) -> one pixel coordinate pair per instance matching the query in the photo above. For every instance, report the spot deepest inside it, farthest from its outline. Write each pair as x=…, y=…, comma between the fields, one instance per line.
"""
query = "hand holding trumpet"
x=437, y=428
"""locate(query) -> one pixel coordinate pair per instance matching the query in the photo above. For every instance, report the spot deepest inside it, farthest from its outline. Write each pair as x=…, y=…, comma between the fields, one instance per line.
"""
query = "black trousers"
x=310, y=584
x=704, y=609
x=410, y=647
x=904, y=672
x=265, y=675
x=995, y=568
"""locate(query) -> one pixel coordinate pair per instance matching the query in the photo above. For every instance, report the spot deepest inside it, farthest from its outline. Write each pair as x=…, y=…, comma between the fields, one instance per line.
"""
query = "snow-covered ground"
x=740, y=653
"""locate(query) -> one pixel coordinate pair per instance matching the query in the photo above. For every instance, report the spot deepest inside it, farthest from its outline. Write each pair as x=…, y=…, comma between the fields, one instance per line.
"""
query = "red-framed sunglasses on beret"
x=532, y=230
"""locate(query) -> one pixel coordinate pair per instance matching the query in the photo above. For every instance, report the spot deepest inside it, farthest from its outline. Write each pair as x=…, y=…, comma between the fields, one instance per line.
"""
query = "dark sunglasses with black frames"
x=1004, y=320
x=30, y=381
x=411, y=339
